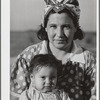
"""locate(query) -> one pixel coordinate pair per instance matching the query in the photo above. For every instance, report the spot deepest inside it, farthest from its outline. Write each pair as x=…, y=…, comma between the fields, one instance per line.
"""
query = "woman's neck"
x=58, y=53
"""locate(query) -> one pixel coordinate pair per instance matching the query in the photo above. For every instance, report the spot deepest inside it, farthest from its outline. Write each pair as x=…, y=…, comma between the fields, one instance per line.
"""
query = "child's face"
x=45, y=79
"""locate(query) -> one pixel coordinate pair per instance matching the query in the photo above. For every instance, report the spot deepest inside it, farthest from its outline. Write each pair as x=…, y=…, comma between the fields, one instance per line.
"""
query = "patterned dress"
x=77, y=76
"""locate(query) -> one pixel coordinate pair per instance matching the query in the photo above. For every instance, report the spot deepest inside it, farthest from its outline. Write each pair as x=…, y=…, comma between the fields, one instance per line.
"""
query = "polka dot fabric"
x=76, y=78
x=72, y=81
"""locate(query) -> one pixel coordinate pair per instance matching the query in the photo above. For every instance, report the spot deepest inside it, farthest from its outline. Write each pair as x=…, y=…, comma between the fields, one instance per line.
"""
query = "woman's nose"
x=59, y=32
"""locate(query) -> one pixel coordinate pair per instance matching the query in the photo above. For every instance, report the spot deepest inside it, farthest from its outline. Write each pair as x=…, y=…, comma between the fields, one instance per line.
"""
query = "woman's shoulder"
x=30, y=50
x=78, y=49
x=88, y=54
x=28, y=53
x=85, y=55
x=89, y=58
x=33, y=48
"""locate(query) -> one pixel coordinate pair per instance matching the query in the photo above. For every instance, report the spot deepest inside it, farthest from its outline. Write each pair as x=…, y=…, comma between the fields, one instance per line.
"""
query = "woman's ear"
x=75, y=33
x=46, y=29
x=78, y=34
x=75, y=29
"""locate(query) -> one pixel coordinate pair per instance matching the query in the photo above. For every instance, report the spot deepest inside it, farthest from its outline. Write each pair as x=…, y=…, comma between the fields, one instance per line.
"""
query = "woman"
x=59, y=29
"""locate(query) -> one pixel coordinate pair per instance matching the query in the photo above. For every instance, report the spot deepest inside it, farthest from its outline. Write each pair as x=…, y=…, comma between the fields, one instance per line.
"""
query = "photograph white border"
x=97, y=52
x=5, y=50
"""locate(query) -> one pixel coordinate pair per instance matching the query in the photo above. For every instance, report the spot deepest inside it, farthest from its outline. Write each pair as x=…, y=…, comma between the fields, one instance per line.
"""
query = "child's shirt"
x=34, y=94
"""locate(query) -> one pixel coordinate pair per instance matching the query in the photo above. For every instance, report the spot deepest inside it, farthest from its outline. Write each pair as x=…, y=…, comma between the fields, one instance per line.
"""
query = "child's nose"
x=48, y=81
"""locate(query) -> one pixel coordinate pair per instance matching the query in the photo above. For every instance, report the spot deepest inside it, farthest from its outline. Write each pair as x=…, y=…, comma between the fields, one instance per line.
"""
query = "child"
x=43, y=75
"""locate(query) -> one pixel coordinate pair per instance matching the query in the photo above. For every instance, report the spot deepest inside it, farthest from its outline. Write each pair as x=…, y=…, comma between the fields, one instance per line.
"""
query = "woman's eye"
x=67, y=27
x=53, y=26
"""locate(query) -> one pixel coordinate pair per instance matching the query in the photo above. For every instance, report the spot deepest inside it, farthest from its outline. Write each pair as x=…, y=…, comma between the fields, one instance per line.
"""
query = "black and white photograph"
x=53, y=47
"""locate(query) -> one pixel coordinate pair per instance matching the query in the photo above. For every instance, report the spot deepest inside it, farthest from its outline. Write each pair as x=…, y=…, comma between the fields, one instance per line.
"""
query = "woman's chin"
x=60, y=46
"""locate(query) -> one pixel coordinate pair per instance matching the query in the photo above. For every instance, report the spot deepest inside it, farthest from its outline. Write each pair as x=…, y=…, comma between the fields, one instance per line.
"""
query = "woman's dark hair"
x=43, y=60
x=42, y=34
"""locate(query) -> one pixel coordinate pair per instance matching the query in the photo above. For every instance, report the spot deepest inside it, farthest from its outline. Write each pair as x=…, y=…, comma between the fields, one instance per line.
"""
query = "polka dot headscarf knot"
x=59, y=5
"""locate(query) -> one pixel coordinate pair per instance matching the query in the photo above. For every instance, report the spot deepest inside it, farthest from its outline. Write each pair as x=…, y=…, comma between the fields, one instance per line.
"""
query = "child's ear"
x=32, y=77
x=32, y=80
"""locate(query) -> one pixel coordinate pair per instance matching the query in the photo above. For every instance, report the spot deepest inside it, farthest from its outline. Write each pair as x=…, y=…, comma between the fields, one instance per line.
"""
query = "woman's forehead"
x=62, y=18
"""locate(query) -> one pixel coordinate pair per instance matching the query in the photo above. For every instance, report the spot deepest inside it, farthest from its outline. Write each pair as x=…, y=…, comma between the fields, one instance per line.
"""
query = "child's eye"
x=43, y=77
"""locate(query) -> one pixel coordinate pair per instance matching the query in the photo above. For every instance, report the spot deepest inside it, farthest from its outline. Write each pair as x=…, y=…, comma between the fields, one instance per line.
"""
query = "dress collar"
x=76, y=54
x=44, y=49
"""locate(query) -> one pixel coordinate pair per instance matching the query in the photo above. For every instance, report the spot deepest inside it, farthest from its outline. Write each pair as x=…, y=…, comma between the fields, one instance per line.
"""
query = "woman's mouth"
x=60, y=40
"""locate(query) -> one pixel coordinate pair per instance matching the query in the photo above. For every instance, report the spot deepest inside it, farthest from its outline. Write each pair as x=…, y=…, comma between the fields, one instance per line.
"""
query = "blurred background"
x=25, y=18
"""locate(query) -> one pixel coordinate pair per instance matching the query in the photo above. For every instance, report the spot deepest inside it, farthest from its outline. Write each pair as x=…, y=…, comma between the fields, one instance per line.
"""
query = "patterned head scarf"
x=59, y=5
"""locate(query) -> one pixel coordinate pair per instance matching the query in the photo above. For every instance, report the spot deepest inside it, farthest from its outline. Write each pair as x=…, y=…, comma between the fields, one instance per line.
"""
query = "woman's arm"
x=90, y=77
x=18, y=77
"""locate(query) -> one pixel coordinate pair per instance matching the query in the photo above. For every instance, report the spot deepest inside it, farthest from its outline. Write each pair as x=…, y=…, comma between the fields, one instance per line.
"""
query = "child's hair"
x=43, y=60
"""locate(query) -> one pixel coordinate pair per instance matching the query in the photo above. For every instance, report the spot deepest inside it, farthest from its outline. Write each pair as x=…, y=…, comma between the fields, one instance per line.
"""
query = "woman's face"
x=60, y=30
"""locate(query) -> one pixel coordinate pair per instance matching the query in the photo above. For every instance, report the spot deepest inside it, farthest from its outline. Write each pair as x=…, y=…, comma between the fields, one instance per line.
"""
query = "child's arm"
x=65, y=96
